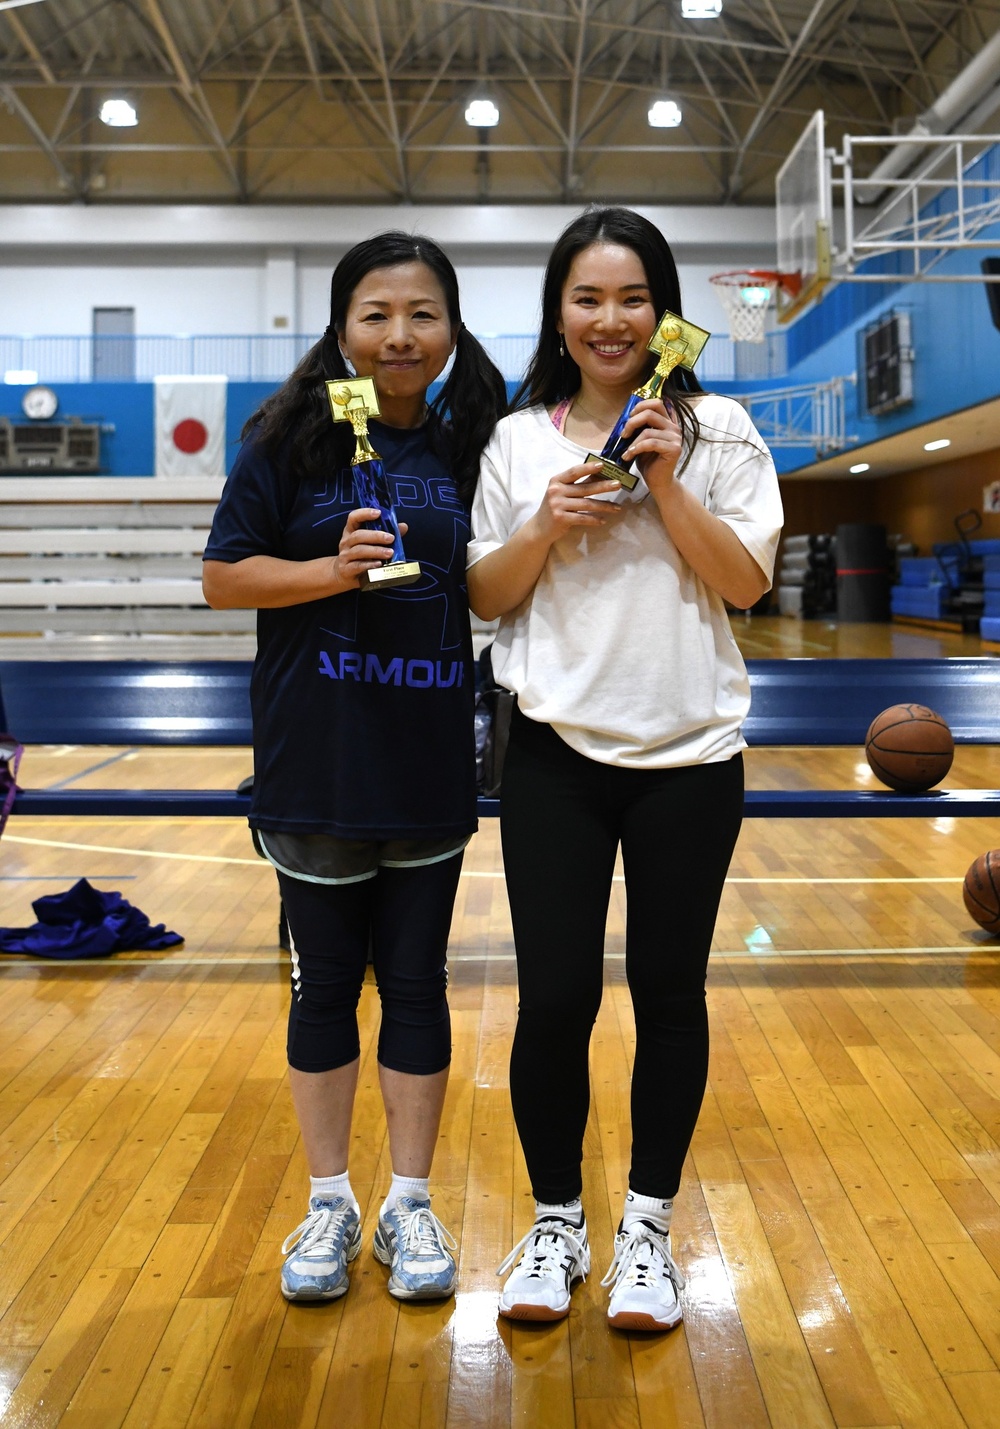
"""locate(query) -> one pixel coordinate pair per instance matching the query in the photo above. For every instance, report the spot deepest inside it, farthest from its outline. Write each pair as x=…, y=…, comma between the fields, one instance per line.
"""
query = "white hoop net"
x=746, y=297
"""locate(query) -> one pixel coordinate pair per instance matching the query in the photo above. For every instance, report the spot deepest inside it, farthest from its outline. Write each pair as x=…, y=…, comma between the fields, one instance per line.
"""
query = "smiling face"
x=397, y=331
x=607, y=316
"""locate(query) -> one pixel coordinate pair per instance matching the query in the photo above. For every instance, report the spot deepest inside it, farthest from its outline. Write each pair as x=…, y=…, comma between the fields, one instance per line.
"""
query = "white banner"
x=190, y=420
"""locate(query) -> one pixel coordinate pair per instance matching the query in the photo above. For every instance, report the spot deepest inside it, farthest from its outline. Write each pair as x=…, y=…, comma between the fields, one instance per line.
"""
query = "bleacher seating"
x=112, y=556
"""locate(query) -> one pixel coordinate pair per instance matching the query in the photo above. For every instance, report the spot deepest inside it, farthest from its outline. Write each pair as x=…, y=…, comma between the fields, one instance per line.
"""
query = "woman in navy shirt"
x=364, y=765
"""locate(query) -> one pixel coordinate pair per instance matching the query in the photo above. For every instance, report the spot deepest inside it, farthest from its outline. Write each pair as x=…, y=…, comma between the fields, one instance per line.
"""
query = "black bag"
x=494, y=705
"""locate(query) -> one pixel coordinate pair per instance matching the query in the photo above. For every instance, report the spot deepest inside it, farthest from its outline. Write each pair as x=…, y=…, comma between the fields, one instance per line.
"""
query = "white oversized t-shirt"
x=620, y=646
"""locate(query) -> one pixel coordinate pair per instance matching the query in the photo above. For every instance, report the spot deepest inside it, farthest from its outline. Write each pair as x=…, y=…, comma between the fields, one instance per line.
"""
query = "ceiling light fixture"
x=118, y=114
x=664, y=114
x=937, y=446
x=859, y=467
x=701, y=9
x=482, y=114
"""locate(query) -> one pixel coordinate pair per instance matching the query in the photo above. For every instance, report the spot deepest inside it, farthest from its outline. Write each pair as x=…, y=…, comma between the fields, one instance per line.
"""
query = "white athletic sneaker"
x=644, y=1280
x=556, y=1255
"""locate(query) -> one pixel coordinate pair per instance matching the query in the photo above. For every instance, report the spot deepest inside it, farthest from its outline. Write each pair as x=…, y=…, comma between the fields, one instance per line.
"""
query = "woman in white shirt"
x=630, y=697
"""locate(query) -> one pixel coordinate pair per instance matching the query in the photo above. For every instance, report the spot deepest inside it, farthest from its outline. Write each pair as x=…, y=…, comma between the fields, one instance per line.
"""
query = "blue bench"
x=795, y=702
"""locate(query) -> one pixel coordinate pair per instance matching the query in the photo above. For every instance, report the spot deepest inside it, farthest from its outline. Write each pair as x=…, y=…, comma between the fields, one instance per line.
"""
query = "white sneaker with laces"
x=556, y=1255
x=645, y=1280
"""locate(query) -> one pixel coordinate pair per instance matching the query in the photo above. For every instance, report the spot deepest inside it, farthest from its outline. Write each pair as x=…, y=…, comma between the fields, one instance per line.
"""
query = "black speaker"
x=991, y=267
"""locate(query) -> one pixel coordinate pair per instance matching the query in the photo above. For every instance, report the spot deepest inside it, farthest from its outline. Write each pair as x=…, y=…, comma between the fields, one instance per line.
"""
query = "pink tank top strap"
x=559, y=413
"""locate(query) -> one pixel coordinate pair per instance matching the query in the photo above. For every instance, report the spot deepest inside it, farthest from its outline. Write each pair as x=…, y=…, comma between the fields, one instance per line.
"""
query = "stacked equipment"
x=959, y=584
x=989, y=625
x=807, y=581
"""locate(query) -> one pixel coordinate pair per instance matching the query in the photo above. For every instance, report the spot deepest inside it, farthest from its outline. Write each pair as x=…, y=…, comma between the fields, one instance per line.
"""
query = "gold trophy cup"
x=354, y=400
x=677, y=343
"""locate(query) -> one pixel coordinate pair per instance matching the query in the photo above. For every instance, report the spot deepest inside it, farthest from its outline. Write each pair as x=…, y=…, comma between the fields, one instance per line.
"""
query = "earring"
x=562, y=346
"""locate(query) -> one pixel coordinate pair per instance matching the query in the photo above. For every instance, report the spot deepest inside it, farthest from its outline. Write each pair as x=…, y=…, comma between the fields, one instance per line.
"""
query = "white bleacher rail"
x=270, y=357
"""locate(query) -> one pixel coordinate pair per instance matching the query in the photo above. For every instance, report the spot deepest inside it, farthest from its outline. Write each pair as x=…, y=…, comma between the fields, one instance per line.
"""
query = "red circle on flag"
x=190, y=436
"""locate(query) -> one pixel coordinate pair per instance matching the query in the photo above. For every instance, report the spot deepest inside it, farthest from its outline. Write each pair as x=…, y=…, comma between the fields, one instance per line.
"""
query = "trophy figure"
x=353, y=399
x=677, y=343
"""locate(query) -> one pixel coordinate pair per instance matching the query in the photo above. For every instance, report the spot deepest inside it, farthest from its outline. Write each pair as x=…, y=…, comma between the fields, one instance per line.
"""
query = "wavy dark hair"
x=552, y=376
x=295, y=420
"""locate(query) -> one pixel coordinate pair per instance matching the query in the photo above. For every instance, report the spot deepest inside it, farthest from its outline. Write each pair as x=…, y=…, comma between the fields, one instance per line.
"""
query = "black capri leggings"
x=562, y=818
x=404, y=915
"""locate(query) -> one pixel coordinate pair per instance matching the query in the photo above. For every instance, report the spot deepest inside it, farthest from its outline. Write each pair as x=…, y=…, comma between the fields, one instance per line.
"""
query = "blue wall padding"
x=989, y=627
x=128, y=406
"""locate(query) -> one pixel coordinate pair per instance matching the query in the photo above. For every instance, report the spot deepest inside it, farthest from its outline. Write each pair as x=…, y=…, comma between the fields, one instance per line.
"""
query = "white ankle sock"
x=569, y=1211
x=416, y=1186
x=657, y=1210
x=327, y=1187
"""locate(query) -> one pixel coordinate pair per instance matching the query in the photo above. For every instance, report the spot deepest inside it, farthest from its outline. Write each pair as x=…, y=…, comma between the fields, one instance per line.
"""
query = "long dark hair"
x=552, y=376
x=296, y=419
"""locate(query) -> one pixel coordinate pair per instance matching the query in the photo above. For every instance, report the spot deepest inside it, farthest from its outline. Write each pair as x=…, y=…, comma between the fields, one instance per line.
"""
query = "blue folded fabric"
x=85, y=923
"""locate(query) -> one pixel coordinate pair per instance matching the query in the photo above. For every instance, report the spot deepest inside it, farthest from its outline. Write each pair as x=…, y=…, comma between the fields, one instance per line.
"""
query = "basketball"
x=909, y=747
x=981, y=890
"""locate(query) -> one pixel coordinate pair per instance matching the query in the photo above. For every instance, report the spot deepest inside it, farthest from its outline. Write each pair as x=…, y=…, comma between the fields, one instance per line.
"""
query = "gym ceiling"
x=363, y=101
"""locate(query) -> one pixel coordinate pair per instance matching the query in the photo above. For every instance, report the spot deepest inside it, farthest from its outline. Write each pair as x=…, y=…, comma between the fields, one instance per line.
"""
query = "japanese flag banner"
x=190, y=420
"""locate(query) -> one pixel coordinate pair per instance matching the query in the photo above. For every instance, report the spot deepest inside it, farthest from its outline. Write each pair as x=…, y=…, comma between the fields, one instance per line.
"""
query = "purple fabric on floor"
x=83, y=922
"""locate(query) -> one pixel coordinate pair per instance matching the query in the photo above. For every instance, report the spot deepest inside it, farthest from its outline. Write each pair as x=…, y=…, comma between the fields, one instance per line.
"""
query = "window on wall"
x=113, y=356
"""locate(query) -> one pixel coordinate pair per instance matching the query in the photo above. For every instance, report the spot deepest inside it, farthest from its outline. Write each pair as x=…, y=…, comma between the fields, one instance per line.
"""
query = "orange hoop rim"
x=790, y=283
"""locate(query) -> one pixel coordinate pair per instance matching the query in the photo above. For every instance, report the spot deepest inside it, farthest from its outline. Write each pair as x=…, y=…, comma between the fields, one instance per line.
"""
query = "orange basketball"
x=981, y=890
x=909, y=747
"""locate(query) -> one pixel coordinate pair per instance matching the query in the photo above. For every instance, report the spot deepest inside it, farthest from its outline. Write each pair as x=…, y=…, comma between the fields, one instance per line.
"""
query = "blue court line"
x=63, y=783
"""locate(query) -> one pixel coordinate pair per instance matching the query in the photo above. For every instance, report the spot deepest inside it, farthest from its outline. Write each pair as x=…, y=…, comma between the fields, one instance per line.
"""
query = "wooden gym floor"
x=839, y=1221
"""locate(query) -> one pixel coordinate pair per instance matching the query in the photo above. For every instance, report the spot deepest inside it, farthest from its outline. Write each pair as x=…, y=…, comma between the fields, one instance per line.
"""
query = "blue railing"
x=270, y=357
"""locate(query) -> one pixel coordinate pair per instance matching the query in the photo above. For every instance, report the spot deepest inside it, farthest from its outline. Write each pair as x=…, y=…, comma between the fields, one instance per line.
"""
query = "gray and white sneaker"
x=415, y=1246
x=318, y=1251
x=556, y=1254
x=644, y=1279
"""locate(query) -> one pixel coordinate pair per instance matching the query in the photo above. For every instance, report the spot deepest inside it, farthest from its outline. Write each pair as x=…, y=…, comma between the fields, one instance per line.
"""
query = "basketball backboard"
x=803, y=203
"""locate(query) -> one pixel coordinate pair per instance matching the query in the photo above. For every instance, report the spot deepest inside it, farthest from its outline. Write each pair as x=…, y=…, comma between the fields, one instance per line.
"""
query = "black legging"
x=404, y=915
x=562, y=818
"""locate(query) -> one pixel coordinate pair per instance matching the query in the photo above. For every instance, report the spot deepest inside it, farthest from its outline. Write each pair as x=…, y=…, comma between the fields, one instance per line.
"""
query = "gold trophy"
x=677, y=343
x=354, y=400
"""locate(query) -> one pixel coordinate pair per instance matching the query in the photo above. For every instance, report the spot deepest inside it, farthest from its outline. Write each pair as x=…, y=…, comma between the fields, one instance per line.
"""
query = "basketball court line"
x=93, y=769
x=278, y=960
x=466, y=873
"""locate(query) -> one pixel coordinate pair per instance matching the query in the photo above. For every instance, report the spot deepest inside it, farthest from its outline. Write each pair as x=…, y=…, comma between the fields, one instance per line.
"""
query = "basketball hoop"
x=746, y=294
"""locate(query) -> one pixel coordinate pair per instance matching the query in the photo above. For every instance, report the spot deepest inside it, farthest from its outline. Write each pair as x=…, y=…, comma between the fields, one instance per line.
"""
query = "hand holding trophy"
x=677, y=343
x=354, y=400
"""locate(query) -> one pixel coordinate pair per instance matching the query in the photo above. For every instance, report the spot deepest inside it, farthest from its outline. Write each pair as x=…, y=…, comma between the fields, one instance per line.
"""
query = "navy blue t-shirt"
x=363, y=701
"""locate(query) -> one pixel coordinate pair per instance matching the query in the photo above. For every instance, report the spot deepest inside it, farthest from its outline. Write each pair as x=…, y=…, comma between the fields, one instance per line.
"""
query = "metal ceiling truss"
x=363, y=100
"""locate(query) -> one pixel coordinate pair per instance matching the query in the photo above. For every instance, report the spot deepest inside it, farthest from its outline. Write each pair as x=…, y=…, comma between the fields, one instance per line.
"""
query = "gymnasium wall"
x=128, y=408
x=920, y=505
